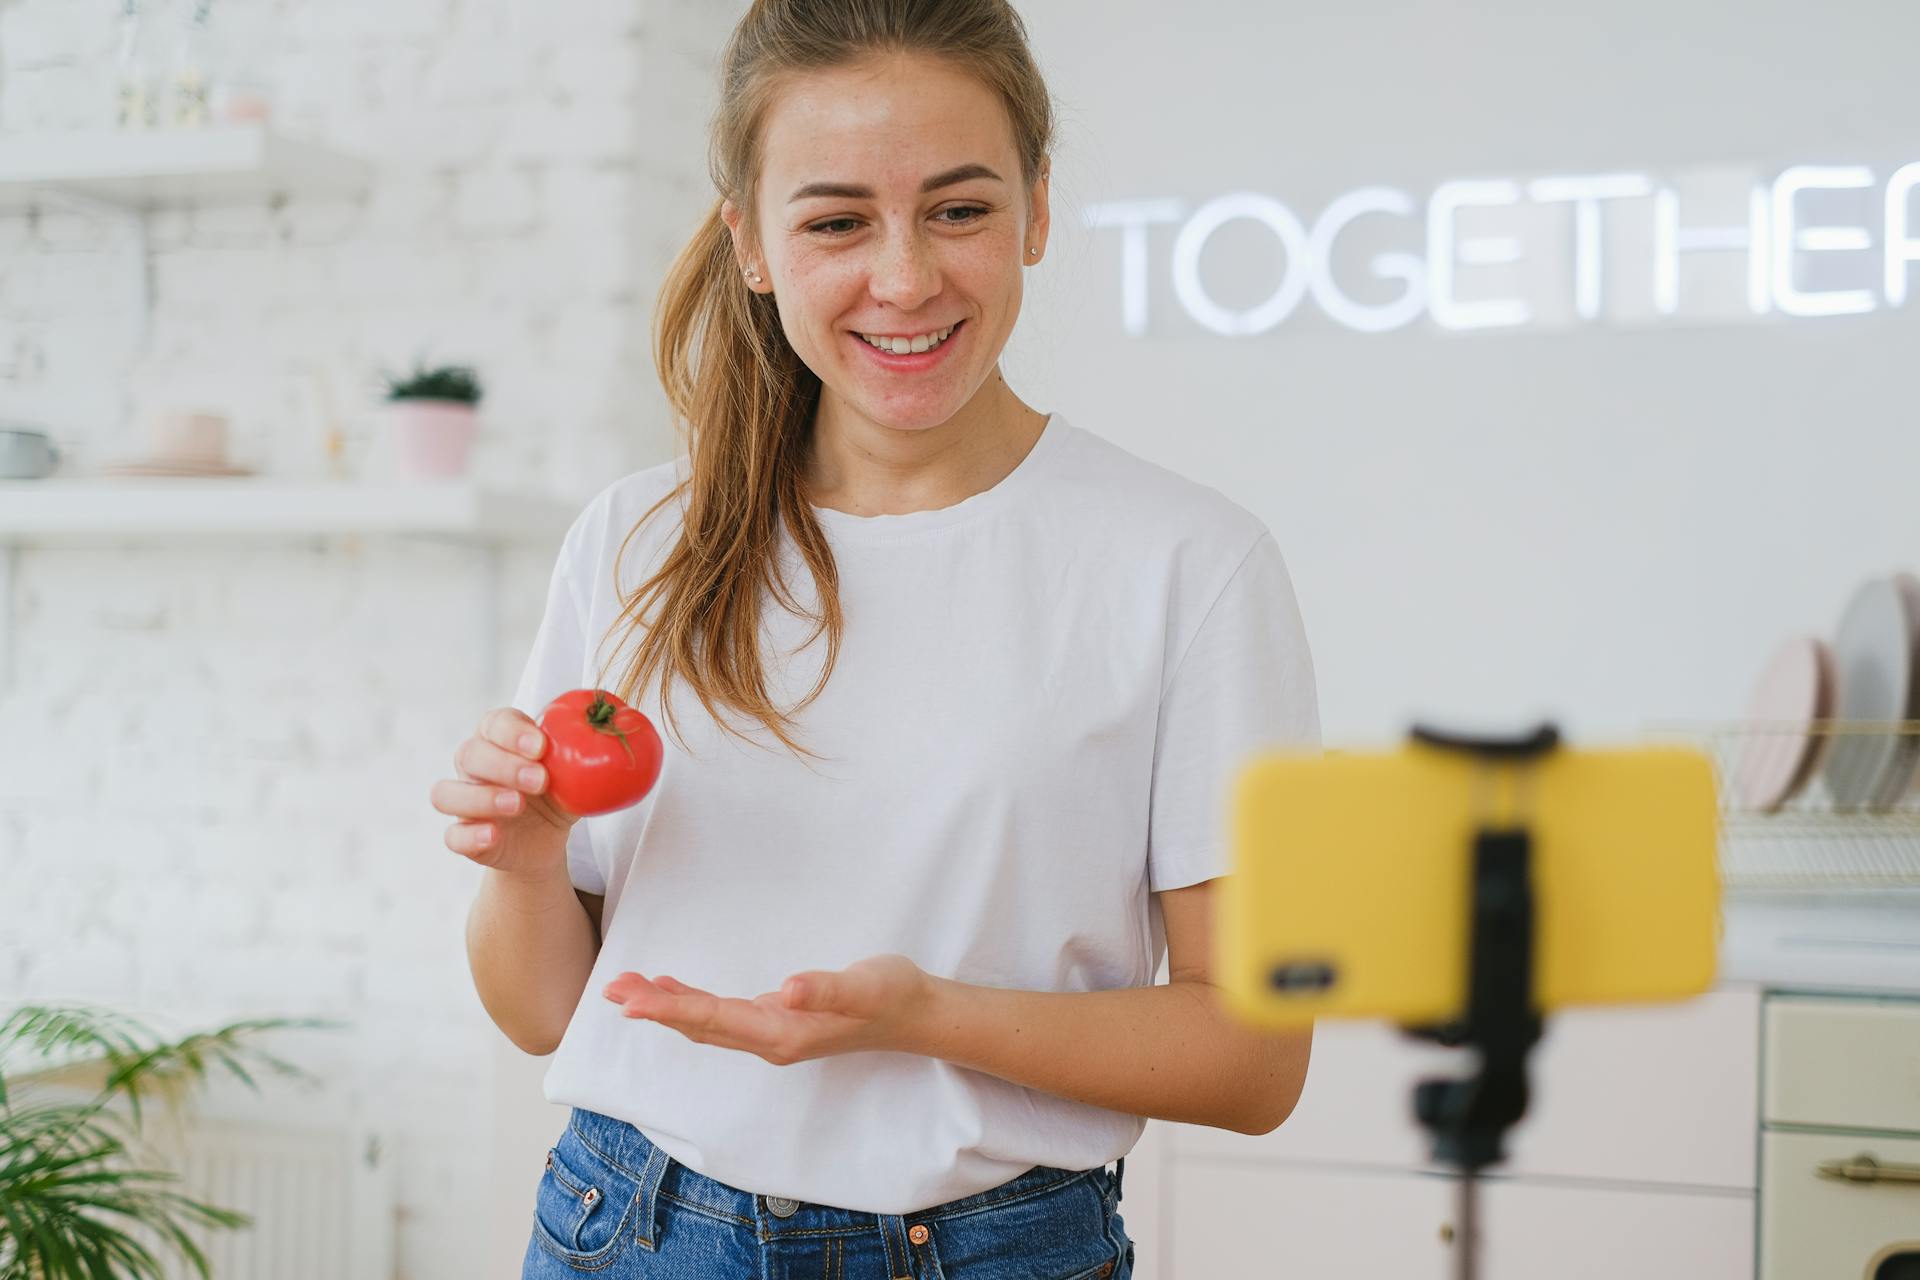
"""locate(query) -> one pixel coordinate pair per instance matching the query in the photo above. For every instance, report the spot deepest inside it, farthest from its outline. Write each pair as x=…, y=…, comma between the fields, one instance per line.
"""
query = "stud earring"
x=1034, y=252
x=750, y=274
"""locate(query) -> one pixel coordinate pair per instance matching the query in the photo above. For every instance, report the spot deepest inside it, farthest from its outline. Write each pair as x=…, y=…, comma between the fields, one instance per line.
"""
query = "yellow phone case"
x=1362, y=863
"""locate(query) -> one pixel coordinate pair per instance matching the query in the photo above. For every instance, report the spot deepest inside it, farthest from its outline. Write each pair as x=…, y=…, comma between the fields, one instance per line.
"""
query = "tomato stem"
x=600, y=716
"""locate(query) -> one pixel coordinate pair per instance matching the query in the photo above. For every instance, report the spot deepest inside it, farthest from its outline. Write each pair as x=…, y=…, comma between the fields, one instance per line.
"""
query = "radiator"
x=322, y=1200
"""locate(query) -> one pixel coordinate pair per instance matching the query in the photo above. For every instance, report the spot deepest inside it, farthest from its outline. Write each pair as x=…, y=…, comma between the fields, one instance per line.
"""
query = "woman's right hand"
x=508, y=822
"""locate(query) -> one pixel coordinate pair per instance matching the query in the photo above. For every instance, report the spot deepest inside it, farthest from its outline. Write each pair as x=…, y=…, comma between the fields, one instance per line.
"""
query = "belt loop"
x=1119, y=1177
x=650, y=1178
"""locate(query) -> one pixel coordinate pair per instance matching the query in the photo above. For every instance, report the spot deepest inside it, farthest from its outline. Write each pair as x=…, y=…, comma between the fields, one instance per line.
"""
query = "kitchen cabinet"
x=1650, y=1094
x=1238, y=1219
x=1840, y=1144
x=1812, y=1226
x=1636, y=1159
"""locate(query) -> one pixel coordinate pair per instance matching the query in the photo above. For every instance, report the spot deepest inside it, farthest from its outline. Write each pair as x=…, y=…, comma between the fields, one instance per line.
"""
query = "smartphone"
x=1351, y=883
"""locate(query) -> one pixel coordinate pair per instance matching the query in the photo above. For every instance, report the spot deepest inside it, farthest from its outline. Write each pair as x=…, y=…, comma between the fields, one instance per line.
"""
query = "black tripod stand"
x=1468, y=1118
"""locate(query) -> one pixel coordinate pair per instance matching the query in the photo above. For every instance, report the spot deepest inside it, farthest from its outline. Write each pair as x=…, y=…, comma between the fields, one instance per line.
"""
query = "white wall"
x=1607, y=524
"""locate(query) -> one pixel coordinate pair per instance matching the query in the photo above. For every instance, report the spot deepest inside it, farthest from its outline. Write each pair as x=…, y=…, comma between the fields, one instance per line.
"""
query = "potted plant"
x=434, y=412
x=61, y=1171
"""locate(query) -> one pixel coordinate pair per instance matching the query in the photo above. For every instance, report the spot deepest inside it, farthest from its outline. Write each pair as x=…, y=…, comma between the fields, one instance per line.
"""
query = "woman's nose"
x=905, y=272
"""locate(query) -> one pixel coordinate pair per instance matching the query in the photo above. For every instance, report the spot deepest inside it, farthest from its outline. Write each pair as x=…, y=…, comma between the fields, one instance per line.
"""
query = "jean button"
x=781, y=1207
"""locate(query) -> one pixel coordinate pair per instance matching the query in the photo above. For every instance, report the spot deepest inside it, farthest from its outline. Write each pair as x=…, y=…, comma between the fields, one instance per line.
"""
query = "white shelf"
x=137, y=169
x=107, y=510
x=93, y=509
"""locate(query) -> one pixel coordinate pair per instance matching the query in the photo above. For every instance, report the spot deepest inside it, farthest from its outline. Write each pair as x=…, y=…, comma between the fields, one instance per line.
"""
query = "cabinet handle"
x=1864, y=1168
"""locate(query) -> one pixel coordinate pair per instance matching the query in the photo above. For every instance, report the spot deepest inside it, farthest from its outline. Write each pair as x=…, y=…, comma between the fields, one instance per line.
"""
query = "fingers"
x=480, y=760
x=471, y=838
x=498, y=770
x=475, y=799
x=510, y=728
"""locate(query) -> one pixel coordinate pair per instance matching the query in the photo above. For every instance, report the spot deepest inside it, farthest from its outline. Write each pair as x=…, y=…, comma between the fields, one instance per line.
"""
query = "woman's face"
x=850, y=244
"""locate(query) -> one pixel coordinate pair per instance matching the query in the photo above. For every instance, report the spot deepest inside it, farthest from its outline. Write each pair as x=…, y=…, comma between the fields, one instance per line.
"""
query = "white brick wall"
x=214, y=789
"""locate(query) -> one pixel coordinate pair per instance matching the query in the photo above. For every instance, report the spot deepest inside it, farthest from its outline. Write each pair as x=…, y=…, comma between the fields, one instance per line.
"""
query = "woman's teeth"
x=906, y=346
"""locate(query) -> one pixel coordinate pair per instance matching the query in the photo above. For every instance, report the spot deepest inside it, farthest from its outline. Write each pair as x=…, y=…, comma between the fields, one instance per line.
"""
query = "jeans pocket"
x=584, y=1208
x=1058, y=1232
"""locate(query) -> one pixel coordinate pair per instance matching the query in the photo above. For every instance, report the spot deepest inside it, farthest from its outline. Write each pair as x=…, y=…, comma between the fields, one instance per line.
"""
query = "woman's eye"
x=825, y=228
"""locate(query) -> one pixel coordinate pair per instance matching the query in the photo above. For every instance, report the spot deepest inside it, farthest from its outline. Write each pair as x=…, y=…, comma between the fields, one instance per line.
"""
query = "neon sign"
x=1776, y=235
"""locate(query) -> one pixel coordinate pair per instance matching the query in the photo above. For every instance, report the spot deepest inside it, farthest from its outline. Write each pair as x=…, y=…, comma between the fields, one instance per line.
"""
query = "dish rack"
x=1809, y=840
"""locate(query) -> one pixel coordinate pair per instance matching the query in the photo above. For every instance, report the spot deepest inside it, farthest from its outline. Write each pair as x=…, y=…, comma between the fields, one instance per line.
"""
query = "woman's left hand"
x=867, y=1005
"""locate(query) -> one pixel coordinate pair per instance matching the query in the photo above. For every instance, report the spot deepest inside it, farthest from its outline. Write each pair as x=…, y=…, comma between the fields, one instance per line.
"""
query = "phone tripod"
x=1467, y=1119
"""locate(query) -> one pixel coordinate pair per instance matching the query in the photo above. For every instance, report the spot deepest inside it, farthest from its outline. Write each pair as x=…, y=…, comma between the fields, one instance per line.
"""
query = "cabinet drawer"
x=1255, y=1220
x=1845, y=1063
x=1836, y=1230
x=1660, y=1093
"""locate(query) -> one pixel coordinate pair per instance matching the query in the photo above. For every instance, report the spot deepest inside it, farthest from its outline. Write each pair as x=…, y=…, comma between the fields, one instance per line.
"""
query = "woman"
x=1047, y=658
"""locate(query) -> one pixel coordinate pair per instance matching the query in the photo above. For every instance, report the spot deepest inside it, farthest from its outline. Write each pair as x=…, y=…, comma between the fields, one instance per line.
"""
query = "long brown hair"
x=739, y=393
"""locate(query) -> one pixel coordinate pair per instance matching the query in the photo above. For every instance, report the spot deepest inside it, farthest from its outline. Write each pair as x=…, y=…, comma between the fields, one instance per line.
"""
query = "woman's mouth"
x=909, y=360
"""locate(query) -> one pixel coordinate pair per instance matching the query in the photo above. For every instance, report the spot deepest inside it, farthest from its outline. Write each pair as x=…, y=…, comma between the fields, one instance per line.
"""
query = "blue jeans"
x=614, y=1204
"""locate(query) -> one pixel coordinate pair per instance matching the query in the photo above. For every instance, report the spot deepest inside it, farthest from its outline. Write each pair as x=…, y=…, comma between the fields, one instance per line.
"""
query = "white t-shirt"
x=1041, y=697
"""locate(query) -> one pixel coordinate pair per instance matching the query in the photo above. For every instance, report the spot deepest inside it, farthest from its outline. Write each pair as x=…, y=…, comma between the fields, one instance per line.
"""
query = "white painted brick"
x=406, y=203
x=232, y=226
x=589, y=200
x=427, y=138
x=101, y=972
x=56, y=96
x=16, y=237
x=596, y=336
x=367, y=21
x=65, y=227
x=199, y=277
x=594, y=70
x=544, y=273
x=409, y=282
x=319, y=914
x=321, y=220
x=583, y=17
x=476, y=66
x=169, y=228
x=42, y=34
x=495, y=202
x=549, y=131
x=392, y=77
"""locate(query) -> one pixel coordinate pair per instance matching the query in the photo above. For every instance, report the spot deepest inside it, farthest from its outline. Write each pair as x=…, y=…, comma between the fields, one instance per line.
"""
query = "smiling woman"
x=1047, y=655
x=897, y=275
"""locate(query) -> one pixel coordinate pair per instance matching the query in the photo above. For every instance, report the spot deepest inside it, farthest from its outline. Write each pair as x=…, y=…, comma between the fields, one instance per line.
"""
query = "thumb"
x=809, y=991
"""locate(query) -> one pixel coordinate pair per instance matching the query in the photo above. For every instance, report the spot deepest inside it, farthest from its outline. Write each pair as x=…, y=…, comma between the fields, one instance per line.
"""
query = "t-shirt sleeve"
x=1244, y=684
x=558, y=662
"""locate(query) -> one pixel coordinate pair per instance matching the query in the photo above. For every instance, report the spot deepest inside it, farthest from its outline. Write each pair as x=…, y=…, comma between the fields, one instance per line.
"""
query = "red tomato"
x=604, y=754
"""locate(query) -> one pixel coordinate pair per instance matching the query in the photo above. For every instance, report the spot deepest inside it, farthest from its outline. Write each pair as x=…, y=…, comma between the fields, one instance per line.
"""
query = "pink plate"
x=1793, y=692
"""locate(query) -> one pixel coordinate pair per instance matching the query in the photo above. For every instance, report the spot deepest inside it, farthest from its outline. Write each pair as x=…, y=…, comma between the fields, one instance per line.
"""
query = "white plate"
x=1873, y=663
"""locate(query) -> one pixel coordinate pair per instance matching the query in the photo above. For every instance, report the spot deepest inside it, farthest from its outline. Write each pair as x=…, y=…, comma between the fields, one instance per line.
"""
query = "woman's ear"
x=730, y=214
x=1037, y=220
x=743, y=255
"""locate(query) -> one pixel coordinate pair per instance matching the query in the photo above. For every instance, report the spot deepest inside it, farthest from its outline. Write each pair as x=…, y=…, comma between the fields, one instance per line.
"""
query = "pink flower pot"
x=435, y=437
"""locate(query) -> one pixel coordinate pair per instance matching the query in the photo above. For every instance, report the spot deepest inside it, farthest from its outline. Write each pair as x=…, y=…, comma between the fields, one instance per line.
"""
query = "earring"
x=1034, y=252
x=751, y=274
